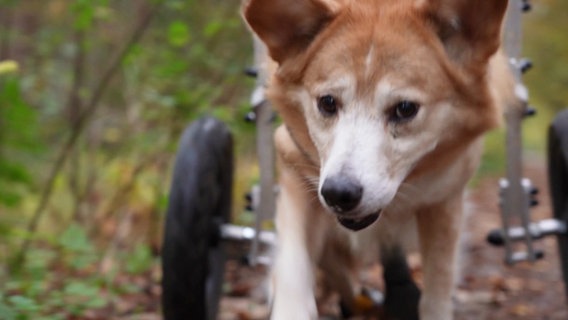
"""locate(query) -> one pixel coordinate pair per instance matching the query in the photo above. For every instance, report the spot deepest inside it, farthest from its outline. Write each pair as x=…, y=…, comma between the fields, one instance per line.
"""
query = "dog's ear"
x=469, y=29
x=286, y=26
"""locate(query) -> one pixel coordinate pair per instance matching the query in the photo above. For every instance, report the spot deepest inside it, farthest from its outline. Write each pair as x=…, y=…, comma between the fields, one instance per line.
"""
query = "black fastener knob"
x=529, y=112
x=525, y=65
x=526, y=6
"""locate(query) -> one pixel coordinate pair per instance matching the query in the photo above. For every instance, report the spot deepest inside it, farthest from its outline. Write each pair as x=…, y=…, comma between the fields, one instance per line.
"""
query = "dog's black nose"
x=341, y=194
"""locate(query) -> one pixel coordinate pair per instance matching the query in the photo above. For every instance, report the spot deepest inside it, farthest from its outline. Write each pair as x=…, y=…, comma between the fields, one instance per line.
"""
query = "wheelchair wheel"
x=558, y=179
x=193, y=256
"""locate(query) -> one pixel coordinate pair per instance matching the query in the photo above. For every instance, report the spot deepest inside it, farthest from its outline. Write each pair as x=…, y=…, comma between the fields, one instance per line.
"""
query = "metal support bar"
x=239, y=233
x=265, y=146
x=537, y=230
x=521, y=256
x=515, y=204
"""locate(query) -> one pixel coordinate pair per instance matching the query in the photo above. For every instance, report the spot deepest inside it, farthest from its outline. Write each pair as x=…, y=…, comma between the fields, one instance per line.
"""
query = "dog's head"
x=370, y=90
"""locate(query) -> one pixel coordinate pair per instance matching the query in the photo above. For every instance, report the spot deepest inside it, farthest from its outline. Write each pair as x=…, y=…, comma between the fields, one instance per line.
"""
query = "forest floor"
x=487, y=290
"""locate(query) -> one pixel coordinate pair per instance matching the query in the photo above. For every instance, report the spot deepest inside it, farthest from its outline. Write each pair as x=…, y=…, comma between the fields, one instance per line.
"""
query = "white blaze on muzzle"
x=359, y=153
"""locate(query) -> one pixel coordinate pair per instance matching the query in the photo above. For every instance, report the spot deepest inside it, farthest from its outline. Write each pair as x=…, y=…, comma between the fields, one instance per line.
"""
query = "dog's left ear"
x=469, y=29
x=287, y=27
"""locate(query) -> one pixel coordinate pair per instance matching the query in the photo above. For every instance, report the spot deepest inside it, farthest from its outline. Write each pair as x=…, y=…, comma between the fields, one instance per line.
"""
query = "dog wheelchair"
x=198, y=229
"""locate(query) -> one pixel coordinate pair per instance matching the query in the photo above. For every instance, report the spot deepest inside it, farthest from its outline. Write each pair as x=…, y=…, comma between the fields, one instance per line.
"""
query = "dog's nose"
x=341, y=194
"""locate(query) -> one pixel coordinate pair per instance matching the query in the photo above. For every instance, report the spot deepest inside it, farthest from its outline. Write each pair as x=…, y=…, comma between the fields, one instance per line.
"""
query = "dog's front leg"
x=300, y=225
x=438, y=228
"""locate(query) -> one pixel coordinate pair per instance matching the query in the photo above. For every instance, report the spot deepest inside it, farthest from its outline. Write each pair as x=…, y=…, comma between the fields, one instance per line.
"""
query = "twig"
x=78, y=129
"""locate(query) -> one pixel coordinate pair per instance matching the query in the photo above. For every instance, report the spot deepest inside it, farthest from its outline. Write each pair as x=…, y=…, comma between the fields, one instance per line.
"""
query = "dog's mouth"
x=356, y=224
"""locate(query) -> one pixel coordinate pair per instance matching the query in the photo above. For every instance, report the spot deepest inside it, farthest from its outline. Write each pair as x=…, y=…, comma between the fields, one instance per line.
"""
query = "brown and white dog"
x=383, y=103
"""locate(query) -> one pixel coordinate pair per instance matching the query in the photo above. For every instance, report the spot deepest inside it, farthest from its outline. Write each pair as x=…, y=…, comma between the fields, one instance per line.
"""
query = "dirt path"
x=488, y=289
x=491, y=290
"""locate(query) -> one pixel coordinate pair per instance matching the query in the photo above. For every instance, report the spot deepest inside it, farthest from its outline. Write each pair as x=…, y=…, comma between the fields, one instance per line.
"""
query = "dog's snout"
x=341, y=194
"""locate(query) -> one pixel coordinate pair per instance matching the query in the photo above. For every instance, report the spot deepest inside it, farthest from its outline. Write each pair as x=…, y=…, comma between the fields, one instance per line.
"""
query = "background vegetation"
x=93, y=97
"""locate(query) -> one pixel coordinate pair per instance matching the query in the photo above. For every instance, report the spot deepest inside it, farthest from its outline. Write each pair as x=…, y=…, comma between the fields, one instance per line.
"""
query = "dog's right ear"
x=287, y=27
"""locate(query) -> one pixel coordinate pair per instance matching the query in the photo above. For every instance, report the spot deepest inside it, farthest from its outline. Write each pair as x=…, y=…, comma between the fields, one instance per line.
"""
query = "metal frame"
x=265, y=147
x=514, y=202
x=263, y=196
x=517, y=193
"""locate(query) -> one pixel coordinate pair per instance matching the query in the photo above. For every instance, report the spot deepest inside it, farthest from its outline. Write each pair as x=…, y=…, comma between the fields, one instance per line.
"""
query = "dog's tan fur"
x=372, y=53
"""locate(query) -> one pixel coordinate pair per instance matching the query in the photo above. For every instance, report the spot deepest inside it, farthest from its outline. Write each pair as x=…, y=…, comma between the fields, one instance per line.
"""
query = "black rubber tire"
x=193, y=256
x=558, y=178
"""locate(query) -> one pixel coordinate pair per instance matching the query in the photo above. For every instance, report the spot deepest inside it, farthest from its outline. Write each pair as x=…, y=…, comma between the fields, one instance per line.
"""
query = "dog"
x=384, y=104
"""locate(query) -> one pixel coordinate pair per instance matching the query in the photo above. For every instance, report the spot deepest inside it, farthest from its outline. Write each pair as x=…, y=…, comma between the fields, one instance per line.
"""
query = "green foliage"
x=77, y=250
x=7, y=312
x=546, y=44
x=8, y=2
x=140, y=260
x=19, y=143
x=493, y=161
x=187, y=64
x=18, y=140
x=81, y=296
x=178, y=34
x=37, y=293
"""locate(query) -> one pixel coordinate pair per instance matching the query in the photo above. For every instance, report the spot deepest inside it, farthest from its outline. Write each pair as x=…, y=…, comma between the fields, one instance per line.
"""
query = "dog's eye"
x=404, y=110
x=328, y=105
